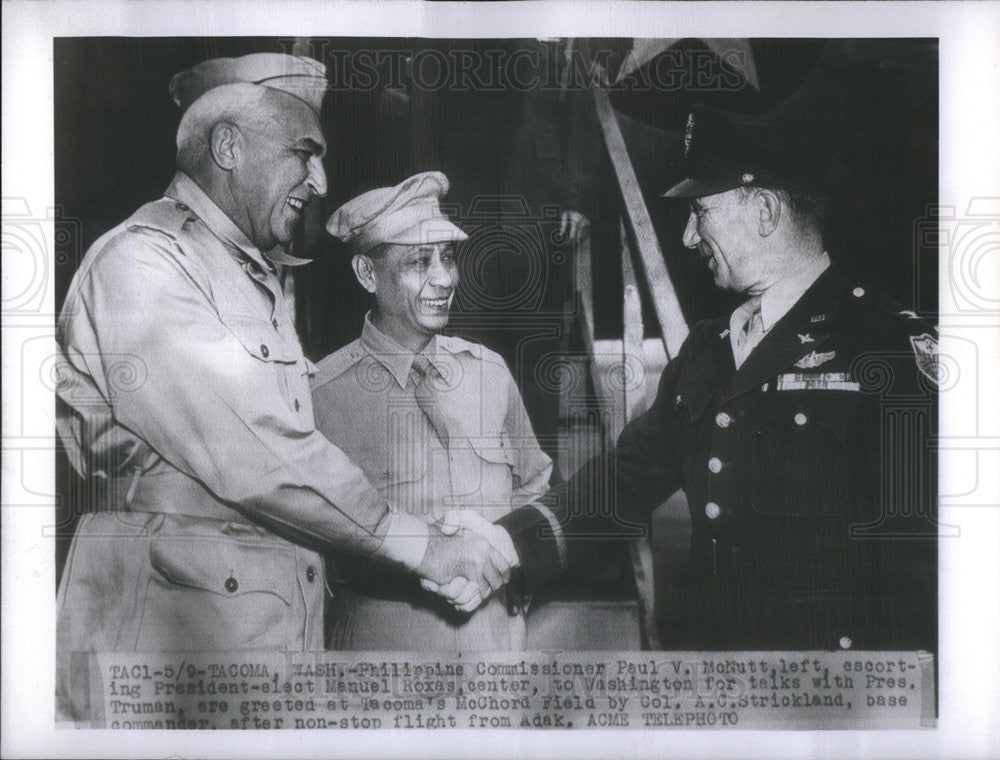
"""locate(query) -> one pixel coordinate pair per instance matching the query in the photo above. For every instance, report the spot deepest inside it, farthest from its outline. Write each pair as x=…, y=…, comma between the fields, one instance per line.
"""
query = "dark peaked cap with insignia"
x=723, y=150
x=297, y=75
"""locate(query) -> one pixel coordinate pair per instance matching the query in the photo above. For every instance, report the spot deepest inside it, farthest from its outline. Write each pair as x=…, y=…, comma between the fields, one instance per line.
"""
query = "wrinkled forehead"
x=400, y=251
x=714, y=200
x=289, y=119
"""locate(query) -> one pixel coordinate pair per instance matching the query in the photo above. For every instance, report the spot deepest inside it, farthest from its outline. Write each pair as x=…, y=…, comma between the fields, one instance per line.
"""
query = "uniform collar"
x=803, y=329
x=396, y=358
x=777, y=300
x=187, y=191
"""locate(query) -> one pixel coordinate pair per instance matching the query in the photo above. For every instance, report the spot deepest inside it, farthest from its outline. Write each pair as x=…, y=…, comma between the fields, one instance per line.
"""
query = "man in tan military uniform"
x=185, y=392
x=435, y=422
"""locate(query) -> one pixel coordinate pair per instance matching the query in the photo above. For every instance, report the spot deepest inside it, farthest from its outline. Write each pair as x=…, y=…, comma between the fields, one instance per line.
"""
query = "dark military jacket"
x=808, y=475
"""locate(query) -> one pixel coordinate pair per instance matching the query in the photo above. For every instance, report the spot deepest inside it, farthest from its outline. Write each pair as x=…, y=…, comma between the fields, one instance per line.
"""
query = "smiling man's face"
x=280, y=169
x=414, y=287
x=722, y=228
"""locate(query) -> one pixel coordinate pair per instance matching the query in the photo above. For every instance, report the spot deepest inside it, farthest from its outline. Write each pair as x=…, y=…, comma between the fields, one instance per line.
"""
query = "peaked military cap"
x=724, y=150
x=297, y=75
x=407, y=214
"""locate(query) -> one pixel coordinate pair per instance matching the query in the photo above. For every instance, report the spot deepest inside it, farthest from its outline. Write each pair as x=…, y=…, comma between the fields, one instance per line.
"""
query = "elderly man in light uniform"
x=434, y=421
x=185, y=392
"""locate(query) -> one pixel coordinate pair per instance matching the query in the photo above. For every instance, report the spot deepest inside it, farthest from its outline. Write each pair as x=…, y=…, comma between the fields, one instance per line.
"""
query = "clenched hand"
x=462, y=566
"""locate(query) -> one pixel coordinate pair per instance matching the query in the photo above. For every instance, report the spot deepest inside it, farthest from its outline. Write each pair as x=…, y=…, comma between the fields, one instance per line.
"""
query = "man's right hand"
x=463, y=555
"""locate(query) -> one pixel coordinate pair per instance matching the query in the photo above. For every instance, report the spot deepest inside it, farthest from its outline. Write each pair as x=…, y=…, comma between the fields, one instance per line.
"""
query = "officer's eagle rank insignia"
x=925, y=349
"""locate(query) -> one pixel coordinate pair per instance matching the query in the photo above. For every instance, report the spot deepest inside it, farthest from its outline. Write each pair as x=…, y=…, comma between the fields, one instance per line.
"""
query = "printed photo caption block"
x=565, y=690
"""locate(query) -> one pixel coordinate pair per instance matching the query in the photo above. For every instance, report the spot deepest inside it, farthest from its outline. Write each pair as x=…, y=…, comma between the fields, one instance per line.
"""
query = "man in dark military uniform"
x=797, y=426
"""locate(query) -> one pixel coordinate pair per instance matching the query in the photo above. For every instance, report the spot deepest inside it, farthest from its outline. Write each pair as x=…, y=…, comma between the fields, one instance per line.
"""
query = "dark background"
x=870, y=104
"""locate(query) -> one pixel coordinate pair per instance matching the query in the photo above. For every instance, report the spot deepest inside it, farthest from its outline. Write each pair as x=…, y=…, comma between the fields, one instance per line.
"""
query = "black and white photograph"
x=505, y=385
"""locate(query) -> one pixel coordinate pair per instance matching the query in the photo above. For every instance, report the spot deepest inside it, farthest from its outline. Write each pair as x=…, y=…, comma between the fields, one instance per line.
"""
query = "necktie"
x=751, y=333
x=428, y=383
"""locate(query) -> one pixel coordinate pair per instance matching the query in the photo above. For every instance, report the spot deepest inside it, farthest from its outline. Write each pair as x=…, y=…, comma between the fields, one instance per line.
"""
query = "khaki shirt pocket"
x=207, y=592
x=226, y=568
x=482, y=474
x=277, y=356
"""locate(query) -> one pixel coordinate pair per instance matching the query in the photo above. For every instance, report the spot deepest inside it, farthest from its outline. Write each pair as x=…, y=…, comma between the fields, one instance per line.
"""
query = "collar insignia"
x=724, y=333
x=813, y=359
x=817, y=318
x=806, y=338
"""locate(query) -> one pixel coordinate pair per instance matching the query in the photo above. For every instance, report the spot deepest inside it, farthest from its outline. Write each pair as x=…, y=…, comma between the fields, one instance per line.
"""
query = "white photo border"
x=969, y=657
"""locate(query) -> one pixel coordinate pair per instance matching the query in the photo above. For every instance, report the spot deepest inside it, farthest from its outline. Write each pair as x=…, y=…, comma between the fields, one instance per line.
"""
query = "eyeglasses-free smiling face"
x=414, y=286
x=279, y=170
x=722, y=228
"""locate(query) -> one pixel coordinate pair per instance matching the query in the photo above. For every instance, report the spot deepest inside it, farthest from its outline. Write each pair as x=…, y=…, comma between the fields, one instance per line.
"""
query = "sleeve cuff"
x=539, y=542
x=405, y=540
x=504, y=544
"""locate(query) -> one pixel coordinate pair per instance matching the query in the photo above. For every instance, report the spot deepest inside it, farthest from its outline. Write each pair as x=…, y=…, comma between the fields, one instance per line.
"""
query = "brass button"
x=712, y=510
x=845, y=642
x=723, y=420
x=263, y=350
x=232, y=584
x=715, y=465
x=858, y=292
x=801, y=419
x=310, y=574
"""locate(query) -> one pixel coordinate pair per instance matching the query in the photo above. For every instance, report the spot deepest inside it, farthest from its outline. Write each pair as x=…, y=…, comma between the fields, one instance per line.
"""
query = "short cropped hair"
x=809, y=209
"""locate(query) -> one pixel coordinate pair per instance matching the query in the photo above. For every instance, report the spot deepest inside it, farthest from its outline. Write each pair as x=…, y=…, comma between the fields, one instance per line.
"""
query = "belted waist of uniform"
x=170, y=493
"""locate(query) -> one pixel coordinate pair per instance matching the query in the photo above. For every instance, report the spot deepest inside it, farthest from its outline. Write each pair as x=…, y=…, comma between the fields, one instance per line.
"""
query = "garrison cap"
x=724, y=150
x=407, y=214
x=297, y=75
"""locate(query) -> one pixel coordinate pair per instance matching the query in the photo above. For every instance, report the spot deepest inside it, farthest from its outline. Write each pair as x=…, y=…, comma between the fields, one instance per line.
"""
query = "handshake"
x=467, y=559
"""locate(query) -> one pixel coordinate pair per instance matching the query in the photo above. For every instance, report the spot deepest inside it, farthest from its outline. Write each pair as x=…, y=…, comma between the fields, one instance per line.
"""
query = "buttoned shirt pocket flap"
x=493, y=448
x=224, y=567
x=261, y=340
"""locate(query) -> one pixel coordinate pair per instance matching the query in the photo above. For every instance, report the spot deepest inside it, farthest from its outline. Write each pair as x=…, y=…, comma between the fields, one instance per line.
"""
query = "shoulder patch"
x=165, y=215
x=336, y=364
x=925, y=349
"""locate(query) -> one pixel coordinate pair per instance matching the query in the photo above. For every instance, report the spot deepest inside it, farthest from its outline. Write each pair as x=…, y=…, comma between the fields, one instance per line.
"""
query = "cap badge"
x=813, y=359
x=747, y=178
x=688, y=133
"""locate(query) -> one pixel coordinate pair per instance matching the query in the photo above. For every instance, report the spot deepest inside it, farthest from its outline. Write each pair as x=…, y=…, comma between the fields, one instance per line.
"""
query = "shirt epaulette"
x=895, y=311
x=455, y=345
x=165, y=215
x=336, y=364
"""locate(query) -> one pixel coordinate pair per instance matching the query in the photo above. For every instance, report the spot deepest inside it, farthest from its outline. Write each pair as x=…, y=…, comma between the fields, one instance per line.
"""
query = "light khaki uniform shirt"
x=365, y=398
x=185, y=392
